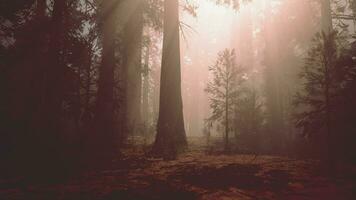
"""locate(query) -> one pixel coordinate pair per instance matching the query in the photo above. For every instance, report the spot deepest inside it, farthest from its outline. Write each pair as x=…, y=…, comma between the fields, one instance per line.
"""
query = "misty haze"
x=177, y=99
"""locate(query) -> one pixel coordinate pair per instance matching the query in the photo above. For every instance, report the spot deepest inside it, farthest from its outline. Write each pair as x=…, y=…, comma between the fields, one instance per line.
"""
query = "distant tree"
x=224, y=89
x=132, y=22
x=320, y=86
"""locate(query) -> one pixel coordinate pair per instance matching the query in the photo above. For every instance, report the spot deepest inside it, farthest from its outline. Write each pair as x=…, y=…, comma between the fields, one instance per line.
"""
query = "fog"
x=177, y=99
x=206, y=34
x=247, y=30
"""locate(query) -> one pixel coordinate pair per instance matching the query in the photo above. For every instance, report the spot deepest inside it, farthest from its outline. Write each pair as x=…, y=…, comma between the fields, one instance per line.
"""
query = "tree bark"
x=171, y=137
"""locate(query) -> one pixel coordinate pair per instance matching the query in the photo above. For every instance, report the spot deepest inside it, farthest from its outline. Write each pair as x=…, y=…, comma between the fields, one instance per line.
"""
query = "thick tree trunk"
x=48, y=123
x=170, y=136
x=20, y=84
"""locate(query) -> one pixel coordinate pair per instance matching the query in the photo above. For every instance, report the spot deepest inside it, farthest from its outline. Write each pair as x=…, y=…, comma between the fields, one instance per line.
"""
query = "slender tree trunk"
x=87, y=85
x=145, y=91
x=227, y=117
x=327, y=29
x=133, y=33
x=170, y=136
x=330, y=137
x=155, y=74
x=330, y=147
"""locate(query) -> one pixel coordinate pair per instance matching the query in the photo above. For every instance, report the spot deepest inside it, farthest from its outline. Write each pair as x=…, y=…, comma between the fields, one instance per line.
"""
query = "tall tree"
x=319, y=92
x=171, y=136
x=54, y=71
x=273, y=82
x=21, y=79
x=132, y=37
x=104, y=134
x=224, y=89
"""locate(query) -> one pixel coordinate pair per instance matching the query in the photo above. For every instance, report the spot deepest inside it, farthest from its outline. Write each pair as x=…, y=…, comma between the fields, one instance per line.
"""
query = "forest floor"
x=194, y=175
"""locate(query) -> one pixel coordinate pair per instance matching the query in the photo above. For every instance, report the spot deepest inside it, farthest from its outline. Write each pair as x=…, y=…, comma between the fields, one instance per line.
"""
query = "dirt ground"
x=194, y=175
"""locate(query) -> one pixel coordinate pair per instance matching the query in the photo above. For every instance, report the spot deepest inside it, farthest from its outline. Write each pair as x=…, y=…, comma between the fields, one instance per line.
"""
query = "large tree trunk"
x=133, y=33
x=45, y=124
x=20, y=84
x=54, y=71
x=170, y=136
x=104, y=140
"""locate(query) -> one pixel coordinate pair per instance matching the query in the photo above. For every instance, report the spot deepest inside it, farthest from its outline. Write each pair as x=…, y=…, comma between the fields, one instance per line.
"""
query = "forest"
x=177, y=99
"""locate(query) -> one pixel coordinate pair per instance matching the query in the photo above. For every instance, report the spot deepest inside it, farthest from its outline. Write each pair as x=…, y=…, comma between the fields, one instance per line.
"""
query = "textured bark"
x=170, y=136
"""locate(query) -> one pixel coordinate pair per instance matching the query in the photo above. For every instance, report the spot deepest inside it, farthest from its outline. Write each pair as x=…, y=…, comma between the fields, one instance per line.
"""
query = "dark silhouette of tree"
x=20, y=78
x=319, y=90
x=170, y=138
x=104, y=138
x=345, y=113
